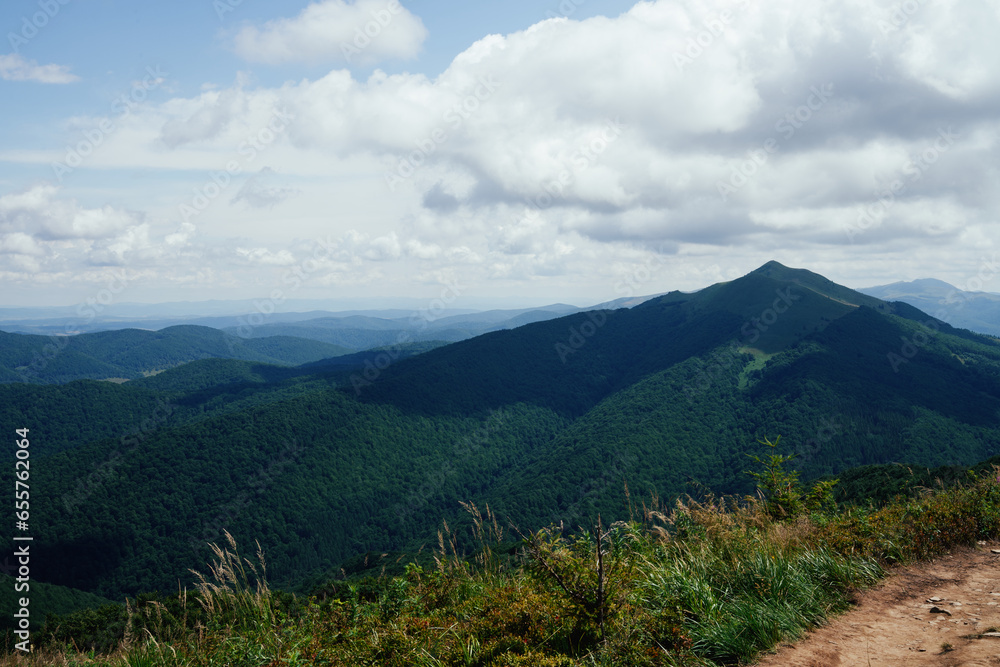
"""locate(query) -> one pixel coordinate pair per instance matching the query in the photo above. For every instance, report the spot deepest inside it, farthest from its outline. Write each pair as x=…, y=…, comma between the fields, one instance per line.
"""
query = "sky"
x=575, y=151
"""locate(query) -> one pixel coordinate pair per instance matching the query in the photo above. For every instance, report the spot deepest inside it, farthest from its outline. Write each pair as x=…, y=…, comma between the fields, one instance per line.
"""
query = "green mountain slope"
x=817, y=283
x=314, y=479
x=207, y=373
x=545, y=422
x=836, y=404
x=65, y=416
x=44, y=599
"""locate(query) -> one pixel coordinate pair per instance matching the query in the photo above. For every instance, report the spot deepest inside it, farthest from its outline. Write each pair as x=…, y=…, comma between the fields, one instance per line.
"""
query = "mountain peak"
x=812, y=280
x=922, y=288
x=771, y=266
x=779, y=271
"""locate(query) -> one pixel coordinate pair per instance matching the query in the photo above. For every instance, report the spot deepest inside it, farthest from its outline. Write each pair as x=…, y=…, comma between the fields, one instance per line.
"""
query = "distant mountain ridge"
x=976, y=311
x=361, y=332
x=133, y=353
x=545, y=423
x=286, y=339
x=244, y=316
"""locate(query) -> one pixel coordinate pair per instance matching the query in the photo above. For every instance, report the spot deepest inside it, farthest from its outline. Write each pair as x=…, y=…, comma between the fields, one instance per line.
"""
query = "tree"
x=780, y=489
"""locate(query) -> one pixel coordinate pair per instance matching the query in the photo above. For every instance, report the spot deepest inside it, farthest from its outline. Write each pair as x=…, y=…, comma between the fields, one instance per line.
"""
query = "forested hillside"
x=545, y=423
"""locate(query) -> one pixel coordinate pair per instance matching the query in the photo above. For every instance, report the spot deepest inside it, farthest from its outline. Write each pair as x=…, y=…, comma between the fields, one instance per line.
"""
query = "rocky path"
x=945, y=612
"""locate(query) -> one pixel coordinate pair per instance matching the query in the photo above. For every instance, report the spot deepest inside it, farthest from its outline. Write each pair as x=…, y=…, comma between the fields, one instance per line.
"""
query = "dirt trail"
x=896, y=623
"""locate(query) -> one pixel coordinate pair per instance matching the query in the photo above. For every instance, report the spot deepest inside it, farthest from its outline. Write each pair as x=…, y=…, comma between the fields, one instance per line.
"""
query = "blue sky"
x=572, y=152
x=110, y=44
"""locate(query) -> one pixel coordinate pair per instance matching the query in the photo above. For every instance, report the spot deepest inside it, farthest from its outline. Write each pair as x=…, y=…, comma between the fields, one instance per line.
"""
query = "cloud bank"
x=855, y=138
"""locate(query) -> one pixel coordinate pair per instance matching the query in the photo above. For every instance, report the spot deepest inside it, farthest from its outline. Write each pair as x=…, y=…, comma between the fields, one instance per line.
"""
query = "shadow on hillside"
x=81, y=563
x=567, y=365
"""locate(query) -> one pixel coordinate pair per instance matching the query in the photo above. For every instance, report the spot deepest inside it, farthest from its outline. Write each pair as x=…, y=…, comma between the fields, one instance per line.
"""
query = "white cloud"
x=334, y=31
x=132, y=245
x=182, y=236
x=384, y=248
x=39, y=212
x=44, y=236
x=415, y=248
x=210, y=115
x=15, y=67
x=265, y=256
x=510, y=165
x=946, y=46
x=19, y=243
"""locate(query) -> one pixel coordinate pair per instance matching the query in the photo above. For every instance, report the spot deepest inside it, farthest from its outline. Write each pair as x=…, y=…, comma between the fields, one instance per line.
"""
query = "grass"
x=760, y=359
x=709, y=582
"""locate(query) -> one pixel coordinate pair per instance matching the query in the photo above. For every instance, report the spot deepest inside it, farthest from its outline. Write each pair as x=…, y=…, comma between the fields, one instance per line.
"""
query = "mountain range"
x=978, y=311
x=546, y=422
x=124, y=352
x=247, y=316
x=132, y=353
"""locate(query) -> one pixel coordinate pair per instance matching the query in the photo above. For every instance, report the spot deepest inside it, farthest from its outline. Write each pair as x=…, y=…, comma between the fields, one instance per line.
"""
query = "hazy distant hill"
x=355, y=329
x=544, y=422
x=360, y=331
x=131, y=353
x=215, y=314
x=978, y=311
